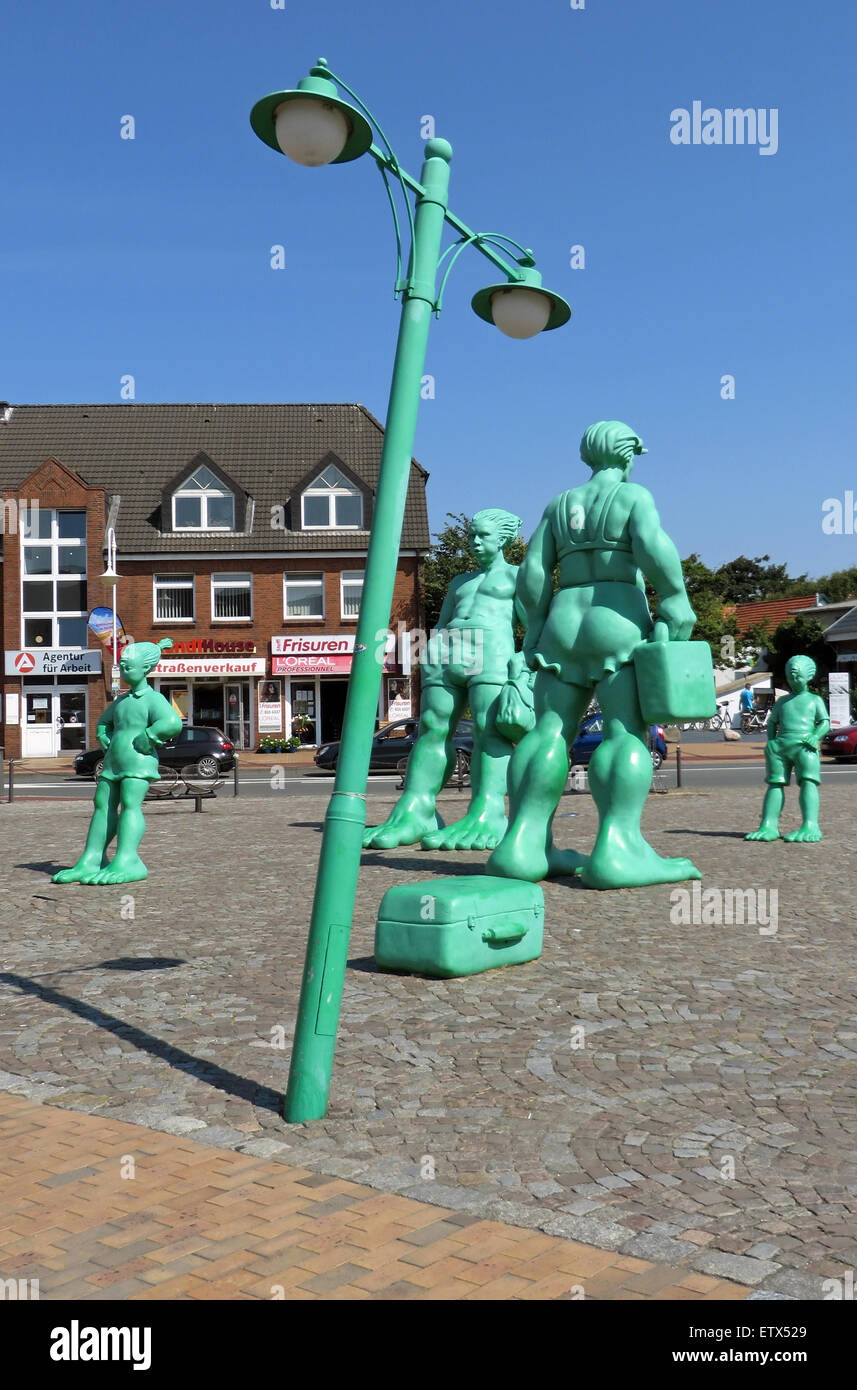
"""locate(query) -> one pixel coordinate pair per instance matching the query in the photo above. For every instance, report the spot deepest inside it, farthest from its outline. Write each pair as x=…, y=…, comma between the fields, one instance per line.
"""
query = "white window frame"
x=203, y=495
x=54, y=576
x=231, y=580
x=298, y=577
x=352, y=576
x=318, y=489
x=173, y=581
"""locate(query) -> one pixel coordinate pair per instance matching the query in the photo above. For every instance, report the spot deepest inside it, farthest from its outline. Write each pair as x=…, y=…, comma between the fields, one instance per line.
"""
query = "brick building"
x=241, y=533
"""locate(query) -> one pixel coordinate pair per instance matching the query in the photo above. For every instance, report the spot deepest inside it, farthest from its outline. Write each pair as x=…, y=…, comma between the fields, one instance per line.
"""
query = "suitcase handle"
x=504, y=934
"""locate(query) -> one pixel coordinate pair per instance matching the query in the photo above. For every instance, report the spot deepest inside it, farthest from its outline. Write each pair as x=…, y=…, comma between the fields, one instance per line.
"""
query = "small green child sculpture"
x=131, y=730
x=467, y=661
x=795, y=725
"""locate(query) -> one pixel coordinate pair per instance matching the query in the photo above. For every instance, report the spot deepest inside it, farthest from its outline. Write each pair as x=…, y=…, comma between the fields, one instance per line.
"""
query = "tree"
x=839, y=585
x=801, y=636
x=750, y=581
x=449, y=556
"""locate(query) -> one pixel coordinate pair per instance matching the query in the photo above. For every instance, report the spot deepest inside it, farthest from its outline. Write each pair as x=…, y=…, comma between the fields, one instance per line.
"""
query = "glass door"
x=237, y=713
x=70, y=720
x=304, y=711
x=39, y=733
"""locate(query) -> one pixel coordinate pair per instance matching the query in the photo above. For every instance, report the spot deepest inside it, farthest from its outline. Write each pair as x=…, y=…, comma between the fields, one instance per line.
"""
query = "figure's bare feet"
x=122, y=869
x=808, y=832
x=84, y=871
x=565, y=863
x=408, y=822
x=520, y=854
x=482, y=828
x=628, y=861
x=765, y=832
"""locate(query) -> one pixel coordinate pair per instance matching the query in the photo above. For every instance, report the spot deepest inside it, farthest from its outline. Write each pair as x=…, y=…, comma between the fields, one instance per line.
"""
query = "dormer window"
x=203, y=503
x=332, y=502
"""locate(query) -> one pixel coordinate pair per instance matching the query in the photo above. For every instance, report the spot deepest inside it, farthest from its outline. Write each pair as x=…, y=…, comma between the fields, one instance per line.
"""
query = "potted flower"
x=265, y=745
x=303, y=727
x=293, y=744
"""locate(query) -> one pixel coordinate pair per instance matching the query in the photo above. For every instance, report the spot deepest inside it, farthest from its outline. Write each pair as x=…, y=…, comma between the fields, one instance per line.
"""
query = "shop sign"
x=336, y=664
x=216, y=666
x=319, y=654
x=313, y=644
x=209, y=646
x=52, y=661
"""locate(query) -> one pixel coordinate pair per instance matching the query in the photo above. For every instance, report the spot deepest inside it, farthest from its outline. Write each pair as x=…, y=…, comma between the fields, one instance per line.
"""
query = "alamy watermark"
x=726, y=907
x=735, y=125
x=840, y=517
x=19, y=514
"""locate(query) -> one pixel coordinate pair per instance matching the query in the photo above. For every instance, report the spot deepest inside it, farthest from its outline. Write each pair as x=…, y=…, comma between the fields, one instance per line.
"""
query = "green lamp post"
x=313, y=125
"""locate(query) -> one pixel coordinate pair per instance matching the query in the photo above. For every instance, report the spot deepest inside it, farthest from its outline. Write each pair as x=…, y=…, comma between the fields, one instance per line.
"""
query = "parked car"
x=840, y=743
x=590, y=734
x=393, y=743
x=208, y=748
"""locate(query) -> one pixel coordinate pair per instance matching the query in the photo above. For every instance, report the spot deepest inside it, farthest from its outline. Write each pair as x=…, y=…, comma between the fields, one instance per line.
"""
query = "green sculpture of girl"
x=467, y=661
x=131, y=730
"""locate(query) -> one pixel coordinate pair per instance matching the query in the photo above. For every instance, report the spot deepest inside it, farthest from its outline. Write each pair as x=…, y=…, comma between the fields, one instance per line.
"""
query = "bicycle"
x=753, y=721
x=722, y=719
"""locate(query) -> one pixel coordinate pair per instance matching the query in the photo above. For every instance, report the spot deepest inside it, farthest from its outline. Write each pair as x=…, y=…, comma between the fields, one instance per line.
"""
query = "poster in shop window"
x=270, y=706
x=399, y=698
x=840, y=703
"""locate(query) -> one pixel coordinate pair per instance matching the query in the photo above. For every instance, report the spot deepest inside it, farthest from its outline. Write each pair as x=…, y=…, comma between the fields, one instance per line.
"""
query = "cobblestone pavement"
x=670, y=1092
x=96, y=1208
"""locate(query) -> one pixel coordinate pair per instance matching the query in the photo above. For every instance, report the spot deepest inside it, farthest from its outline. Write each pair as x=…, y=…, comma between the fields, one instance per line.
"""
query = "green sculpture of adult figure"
x=131, y=730
x=467, y=659
x=604, y=535
x=795, y=726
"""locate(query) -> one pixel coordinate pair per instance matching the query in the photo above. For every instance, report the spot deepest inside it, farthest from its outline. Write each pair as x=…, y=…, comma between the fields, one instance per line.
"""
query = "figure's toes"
x=432, y=841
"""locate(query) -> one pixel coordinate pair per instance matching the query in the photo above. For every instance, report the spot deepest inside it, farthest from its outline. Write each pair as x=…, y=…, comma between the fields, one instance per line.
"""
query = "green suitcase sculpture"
x=459, y=926
x=675, y=680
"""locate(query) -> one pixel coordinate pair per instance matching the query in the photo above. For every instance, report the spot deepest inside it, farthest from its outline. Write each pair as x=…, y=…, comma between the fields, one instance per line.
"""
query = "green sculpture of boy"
x=795, y=725
x=467, y=659
x=131, y=730
x=604, y=536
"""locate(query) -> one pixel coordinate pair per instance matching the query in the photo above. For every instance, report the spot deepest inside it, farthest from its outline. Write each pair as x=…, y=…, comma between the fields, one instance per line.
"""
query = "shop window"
x=203, y=503
x=331, y=502
x=231, y=596
x=303, y=595
x=174, y=598
x=351, y=592
x=53, y=585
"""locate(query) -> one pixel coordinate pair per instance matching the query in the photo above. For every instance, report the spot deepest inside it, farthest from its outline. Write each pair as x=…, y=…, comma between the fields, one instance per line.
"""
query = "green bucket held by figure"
x=131, y=730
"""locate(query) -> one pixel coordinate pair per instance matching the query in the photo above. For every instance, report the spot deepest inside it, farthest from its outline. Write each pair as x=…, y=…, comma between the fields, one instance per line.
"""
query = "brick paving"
x=703, y=1119
x=99, y=1209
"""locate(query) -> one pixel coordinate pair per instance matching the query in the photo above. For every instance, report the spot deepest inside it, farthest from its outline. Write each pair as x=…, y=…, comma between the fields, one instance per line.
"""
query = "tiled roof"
x=771, y=611
x=134, y=450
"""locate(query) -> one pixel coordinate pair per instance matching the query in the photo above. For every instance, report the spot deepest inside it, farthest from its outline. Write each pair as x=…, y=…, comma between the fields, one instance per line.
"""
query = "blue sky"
x=151, y=256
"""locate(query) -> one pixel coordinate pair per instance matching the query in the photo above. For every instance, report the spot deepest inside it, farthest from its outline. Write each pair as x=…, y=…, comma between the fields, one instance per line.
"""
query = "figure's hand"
x=678, y=615
x=810, y=743
x=143, y=743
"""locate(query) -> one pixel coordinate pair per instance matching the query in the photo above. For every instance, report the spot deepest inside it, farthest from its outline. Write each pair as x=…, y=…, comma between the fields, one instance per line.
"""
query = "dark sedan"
x=392, y=744
x=840, y=743
x=590, y=734
x=208, y=748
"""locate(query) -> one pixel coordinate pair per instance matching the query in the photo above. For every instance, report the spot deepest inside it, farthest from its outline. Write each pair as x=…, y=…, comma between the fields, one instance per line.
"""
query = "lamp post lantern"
x=111, y=577
x=313, y=125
